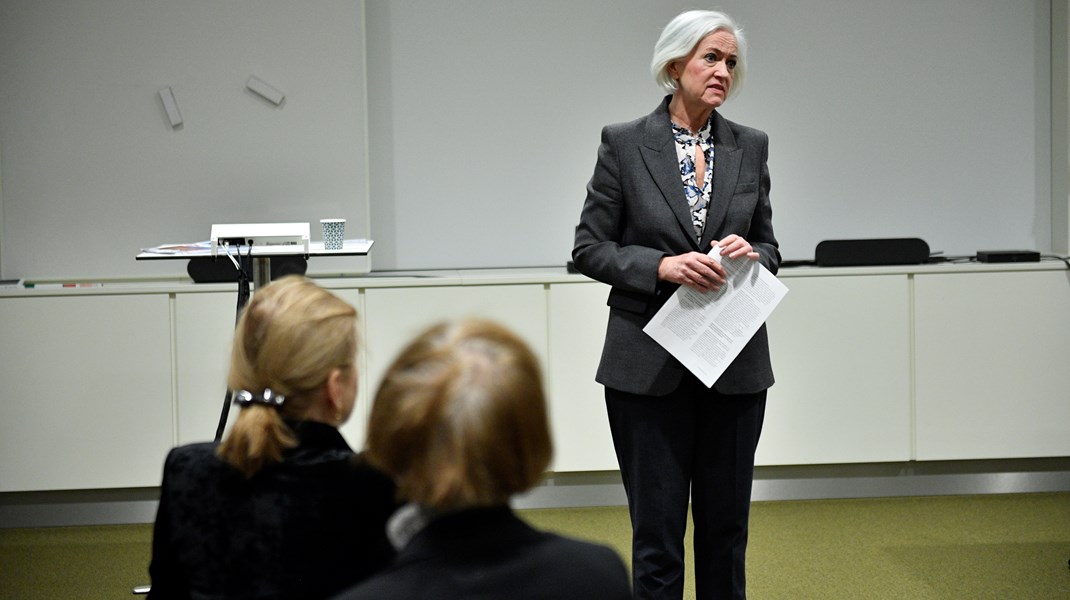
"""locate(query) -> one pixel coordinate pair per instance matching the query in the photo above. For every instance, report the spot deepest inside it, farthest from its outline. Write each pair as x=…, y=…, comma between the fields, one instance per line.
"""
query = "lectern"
x=261, y=242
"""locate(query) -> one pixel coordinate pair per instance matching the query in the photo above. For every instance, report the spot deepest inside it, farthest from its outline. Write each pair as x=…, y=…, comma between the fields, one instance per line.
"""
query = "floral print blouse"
x=698, y=195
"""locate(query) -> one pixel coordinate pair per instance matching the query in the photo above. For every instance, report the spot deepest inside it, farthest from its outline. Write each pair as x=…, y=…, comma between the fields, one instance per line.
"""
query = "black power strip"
x=1007, y=256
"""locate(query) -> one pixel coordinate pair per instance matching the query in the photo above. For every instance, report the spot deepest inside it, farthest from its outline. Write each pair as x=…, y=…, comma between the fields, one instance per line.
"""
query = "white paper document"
x=706, y=331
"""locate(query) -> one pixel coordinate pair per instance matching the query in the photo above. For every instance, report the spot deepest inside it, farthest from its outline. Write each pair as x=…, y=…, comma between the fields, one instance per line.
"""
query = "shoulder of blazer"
x=651, y=130
x=734, y=135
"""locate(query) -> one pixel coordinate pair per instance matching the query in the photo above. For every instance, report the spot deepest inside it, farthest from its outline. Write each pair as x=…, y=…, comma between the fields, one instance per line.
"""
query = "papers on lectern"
x=706, y=331
x=191, y=247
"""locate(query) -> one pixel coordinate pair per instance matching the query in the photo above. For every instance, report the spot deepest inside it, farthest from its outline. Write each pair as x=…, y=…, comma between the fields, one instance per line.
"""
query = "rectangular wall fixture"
x=262, y=89
x=169, y=105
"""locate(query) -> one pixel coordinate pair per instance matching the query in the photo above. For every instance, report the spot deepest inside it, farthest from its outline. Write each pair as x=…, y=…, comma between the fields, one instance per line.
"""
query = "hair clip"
x=266, y=398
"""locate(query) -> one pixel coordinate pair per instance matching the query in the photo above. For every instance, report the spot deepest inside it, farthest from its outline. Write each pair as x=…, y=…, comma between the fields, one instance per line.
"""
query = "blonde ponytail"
x=258, y=437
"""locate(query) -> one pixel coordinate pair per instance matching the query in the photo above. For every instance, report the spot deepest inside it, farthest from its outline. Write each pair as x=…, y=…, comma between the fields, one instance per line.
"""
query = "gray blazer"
x=636, y=213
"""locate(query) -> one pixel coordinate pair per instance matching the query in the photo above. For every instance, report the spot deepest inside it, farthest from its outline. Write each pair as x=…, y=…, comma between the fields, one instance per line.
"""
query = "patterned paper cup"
x=334, y=231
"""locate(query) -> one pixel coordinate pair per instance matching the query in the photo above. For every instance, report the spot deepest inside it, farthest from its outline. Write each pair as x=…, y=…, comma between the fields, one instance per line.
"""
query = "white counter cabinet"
x=85, y=391
x=873, y=365
x=841, y=357
x=992, y=356
x=393, y=316
x=204, y=327
x=578, y=315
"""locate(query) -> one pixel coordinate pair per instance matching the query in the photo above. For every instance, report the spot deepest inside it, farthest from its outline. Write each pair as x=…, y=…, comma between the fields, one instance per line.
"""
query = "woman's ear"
x=340, y=391
x=335, y=389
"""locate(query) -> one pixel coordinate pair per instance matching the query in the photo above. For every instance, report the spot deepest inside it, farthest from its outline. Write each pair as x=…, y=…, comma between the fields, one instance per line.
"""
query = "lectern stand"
x=261, y=275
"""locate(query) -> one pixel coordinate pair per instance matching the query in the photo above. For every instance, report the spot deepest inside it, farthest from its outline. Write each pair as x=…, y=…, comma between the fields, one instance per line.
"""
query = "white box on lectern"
x=260, y=234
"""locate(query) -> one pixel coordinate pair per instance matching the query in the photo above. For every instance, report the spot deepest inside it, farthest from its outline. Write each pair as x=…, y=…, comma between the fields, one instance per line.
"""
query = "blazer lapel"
x=659, y=155
x=727, y=159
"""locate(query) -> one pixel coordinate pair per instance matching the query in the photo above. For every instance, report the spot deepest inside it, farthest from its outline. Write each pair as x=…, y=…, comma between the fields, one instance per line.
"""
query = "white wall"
x=92, y=169
x=461, y=134
x=886, y=119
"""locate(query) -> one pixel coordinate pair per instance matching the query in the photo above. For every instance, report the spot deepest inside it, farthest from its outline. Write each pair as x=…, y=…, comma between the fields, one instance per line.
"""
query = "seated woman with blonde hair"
x=460, y=423
x=283, y=508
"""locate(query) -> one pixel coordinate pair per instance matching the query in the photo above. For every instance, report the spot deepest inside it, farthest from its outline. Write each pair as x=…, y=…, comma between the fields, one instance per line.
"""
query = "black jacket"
x=490, y=554
x=307, y=527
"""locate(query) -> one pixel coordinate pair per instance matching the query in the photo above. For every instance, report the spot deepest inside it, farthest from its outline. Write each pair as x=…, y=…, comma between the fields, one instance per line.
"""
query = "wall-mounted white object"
x=171, y=107
x=262, y=89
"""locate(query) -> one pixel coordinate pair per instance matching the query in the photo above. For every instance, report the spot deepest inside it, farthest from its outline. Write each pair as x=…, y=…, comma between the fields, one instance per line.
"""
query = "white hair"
x=681, y=36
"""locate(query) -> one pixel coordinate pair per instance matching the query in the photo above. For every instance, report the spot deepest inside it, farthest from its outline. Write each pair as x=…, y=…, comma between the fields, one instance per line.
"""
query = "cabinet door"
x=204, y=331
x=85, y=391
x=840, y=348
x=991, y=361
x=578, y=315
x=204, y=328
x=393, y=316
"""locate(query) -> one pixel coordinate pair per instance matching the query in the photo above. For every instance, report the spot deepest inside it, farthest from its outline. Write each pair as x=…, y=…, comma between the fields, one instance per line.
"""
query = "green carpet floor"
x=1004, y=547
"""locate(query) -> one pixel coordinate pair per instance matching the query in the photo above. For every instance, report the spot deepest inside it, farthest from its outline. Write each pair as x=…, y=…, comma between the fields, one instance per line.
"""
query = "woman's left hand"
x=734, y=246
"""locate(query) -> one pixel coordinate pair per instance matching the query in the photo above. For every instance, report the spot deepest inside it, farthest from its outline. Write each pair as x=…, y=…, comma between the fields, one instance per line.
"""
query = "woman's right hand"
x=694, y=269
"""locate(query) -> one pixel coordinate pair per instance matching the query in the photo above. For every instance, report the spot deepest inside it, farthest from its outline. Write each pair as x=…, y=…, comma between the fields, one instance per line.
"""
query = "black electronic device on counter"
x=1007, y=256
x=871, y=252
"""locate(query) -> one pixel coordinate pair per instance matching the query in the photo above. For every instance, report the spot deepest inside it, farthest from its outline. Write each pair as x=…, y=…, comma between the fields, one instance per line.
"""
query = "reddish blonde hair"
x=460, y=417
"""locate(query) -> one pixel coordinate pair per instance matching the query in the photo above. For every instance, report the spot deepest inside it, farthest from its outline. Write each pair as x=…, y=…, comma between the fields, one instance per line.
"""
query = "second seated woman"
x=460, y=422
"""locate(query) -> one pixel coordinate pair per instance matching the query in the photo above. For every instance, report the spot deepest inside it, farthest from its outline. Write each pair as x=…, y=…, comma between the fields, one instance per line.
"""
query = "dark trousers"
x=694, y=443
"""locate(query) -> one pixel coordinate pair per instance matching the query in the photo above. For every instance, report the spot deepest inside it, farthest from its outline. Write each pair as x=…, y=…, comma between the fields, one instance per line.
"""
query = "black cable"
x=1065, y=259
x=243, y=299
x=243, y=280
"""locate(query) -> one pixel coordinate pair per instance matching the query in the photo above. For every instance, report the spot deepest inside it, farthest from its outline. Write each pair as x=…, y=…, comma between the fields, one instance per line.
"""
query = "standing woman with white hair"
x=667, y=189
